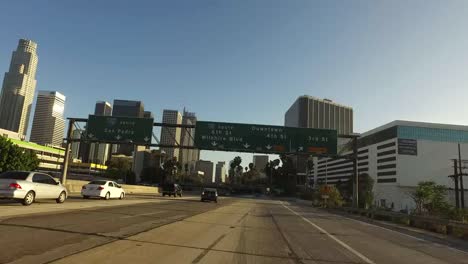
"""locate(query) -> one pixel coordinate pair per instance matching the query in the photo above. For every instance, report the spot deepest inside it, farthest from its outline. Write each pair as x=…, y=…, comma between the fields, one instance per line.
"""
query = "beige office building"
x=206, y=167
x=18, y=88
x=171, y=135
x=220, y=172
x=312, y=112
x=48, y=126
x=187, y=136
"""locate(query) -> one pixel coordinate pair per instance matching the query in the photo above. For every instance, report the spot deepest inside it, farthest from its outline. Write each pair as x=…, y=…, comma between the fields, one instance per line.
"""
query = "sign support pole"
x=63, y=178
x=355, y=172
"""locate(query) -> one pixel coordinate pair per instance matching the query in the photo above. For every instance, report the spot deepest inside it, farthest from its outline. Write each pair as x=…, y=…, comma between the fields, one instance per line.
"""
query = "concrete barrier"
x=74, y=186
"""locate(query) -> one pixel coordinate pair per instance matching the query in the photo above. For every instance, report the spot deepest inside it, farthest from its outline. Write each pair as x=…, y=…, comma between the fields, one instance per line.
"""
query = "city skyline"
x=254, y=75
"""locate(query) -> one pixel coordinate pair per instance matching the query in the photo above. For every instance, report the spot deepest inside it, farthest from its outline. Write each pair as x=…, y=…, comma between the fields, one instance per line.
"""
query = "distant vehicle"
x=172, y=189
x=209, y=194
x=103, y=189
x=27, y=187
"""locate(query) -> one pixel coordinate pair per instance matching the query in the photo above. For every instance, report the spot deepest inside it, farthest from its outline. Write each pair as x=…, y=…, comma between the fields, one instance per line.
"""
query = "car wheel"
x=28, y=199
x=85, y=197
x=61, y=197
x=163, y=194
x=122, y=196
x=107, y=197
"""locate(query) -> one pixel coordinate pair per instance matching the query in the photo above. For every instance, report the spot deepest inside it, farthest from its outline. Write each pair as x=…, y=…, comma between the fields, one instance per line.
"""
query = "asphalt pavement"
x=235, y=230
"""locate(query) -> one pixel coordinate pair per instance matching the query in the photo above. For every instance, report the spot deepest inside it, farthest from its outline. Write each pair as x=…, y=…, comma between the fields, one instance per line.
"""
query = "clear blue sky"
x=247, y=61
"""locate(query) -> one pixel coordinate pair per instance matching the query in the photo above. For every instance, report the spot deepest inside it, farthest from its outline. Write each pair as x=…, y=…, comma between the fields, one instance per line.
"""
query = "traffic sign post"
x=120, y=129
x=264, y=139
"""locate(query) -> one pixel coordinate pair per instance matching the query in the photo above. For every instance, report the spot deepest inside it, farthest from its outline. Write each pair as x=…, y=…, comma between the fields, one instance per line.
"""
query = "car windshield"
x=98, y=182
x=14, y=175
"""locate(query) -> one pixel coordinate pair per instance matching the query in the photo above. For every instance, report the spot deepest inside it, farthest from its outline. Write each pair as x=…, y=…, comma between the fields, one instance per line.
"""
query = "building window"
x=388, y=166
x=363, y=163
x=363, y=157
x=386, y=159
x=386, y=180
x=363, y=151
x=385, y=153
x=386, y=173
x=391, y=144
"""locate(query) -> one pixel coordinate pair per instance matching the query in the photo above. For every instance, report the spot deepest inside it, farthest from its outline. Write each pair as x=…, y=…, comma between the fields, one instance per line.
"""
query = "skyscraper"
x=171, y=135
x=75, y=146
x=206, y=167
x=18, y=88
x=103, y=108
x=99, y=152
x=48, y=124
x=126, y=108
x=311, y=112
x=220, y=172
x=187, y=136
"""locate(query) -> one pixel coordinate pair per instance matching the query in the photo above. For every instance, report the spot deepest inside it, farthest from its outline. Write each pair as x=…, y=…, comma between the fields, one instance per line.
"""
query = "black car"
x=172, y=189
x=209, y=194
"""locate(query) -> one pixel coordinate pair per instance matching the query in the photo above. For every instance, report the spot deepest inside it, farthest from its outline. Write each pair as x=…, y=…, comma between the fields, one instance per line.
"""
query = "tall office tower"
x=312, y=112
x=206, y=167
x=220, y=172
x=187, y=135
x=148, y=114
x=103, y=108
x=99, y=152
x=171, y=135
x=126, y=108
x=18, y=88
x=48, y=125
x=75, y=146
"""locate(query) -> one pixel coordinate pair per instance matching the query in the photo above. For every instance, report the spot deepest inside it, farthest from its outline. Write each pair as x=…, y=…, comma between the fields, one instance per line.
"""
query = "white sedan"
x=103, y=189
x=27, y=187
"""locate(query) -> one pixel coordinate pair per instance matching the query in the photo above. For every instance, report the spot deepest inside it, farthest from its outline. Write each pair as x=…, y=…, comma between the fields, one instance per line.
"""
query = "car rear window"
x=14, y=175
x=98, y=182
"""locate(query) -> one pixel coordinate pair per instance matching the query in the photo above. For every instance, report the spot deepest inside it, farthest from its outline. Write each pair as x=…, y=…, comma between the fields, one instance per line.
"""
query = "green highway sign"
x=120, y=129
x=264, y=139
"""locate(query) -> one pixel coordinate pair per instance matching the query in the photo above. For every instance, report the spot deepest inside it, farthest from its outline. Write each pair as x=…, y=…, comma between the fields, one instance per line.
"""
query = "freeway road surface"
x=236, y=230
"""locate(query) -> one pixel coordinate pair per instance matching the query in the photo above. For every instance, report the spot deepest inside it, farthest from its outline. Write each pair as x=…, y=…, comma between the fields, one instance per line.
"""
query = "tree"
x=330, y=196
x=117, y=168
x=13, y=157
x=365, y=192
x=271, y=169
x=234, y=170
x=430, y=197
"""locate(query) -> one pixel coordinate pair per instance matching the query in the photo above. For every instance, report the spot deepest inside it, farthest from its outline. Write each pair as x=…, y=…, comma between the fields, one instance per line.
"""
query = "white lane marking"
x=410, y=236
x=343, y=244
x=131, y=216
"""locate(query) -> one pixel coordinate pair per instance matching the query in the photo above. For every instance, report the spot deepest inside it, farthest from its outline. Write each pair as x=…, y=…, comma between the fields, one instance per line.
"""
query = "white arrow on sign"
x=146, y=139
x=118, y=137
x=268, y=147
x=301, y=149
x=214, y=143
x=246, y=145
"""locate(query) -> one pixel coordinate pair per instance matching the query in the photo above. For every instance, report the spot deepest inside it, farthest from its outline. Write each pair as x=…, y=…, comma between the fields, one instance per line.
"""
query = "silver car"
x=26, y=186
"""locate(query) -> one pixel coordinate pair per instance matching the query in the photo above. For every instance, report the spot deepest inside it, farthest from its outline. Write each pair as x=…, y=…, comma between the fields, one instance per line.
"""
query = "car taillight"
x=84, y=187
x=100, y=188
x=14, y=186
